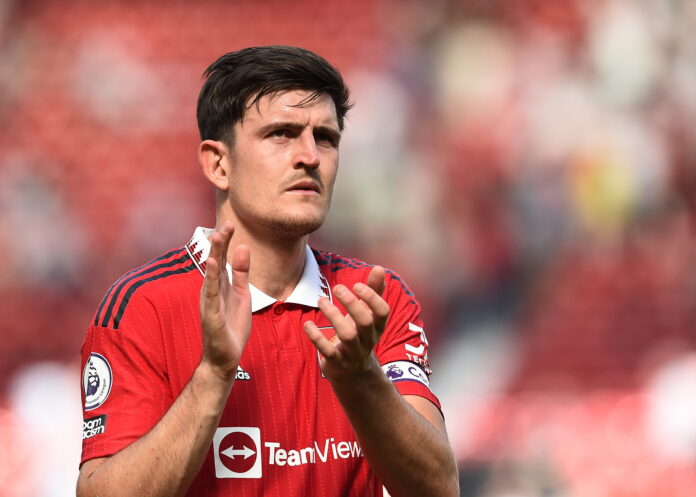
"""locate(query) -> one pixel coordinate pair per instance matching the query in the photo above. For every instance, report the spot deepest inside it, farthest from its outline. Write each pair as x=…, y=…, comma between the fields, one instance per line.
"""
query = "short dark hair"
x=239, y=79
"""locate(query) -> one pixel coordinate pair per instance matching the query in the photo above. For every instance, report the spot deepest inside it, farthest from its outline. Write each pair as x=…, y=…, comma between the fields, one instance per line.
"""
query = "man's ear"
x=214, y=159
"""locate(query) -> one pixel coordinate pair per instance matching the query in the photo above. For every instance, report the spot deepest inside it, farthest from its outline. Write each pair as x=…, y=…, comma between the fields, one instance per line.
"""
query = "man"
x=282, y=393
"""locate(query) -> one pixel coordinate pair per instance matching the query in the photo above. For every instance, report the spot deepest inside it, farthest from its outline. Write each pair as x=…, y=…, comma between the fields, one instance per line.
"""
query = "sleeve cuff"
x=416, y=388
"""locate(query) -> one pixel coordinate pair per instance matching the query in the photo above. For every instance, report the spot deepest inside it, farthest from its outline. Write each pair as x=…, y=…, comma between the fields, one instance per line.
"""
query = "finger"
x=227, y=230
x=215, y=246
x=369, y=326
x=375, y=279
x=349, y=320
x=345, y=331
x=325, y=348
x=238, y=300
x=377, y=305
x=210, y=301
x=357, y=309
x=241, y=261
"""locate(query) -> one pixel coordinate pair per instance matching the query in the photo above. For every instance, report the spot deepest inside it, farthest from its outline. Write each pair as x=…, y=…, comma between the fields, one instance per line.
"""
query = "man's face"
x=283, y=163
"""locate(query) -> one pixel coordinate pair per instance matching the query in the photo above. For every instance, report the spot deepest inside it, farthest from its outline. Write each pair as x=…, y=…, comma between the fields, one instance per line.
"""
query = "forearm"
x=409, y=455
x=165, y=461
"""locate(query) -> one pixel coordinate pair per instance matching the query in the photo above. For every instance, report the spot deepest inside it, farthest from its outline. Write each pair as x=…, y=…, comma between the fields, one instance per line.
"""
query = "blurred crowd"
x=528, y=166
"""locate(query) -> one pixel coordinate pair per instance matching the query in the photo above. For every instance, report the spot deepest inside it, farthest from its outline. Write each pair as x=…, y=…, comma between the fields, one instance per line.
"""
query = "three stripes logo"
x=114, y=303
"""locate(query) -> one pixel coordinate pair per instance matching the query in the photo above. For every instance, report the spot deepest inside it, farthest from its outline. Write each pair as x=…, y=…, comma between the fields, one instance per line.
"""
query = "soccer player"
x=244, y=362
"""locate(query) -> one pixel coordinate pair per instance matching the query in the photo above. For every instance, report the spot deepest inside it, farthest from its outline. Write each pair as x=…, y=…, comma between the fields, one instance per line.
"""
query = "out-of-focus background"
x=528, y=166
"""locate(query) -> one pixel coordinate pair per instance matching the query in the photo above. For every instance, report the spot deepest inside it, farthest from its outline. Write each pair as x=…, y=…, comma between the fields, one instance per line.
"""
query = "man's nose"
x=306, y=154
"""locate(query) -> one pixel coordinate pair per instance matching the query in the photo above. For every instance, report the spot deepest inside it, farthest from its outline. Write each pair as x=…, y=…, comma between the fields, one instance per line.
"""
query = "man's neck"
x=276, y=263
x=276, y=270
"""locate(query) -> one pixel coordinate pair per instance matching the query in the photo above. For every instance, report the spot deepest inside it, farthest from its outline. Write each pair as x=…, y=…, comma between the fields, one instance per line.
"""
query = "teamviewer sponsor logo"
x=237, y=453
x=330, y=449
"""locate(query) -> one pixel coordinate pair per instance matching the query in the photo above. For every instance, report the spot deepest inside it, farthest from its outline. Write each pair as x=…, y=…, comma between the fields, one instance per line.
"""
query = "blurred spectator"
x=42, y=243
x=45, y=397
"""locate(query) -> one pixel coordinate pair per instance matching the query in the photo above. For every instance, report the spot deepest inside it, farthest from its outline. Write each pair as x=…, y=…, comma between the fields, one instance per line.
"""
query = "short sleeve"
x=125, y=391
x=403, y=348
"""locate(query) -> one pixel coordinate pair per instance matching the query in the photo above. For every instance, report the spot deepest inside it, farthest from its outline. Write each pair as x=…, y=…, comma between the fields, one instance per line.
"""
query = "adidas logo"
x=241, y=374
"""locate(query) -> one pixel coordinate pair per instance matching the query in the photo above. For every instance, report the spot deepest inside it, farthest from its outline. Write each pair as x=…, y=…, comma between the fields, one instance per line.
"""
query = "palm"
x=225, y=307
x=350, y=350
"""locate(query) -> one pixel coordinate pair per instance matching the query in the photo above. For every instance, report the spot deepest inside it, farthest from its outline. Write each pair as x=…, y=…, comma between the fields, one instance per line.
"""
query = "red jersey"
x=283, y=432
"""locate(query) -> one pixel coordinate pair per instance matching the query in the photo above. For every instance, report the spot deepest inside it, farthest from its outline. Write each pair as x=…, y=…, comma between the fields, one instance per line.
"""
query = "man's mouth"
x=305, y=187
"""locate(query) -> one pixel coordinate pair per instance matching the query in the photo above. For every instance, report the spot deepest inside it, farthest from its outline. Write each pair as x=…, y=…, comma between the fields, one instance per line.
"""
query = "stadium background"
x=529, y=166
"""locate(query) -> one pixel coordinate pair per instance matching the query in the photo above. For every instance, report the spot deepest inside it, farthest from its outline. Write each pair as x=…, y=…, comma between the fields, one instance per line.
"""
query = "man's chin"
x=296, y=227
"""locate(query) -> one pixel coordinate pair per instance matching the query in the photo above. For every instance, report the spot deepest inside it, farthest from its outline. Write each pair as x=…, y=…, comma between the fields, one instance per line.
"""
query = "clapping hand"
x=225, y=307
x=357, y=332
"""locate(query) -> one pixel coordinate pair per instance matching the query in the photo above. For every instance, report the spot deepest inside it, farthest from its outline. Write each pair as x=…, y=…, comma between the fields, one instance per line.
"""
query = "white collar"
x=309, y=289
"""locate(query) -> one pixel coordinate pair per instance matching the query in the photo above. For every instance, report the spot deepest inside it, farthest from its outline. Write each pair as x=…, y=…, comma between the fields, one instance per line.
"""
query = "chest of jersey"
x=283, y=431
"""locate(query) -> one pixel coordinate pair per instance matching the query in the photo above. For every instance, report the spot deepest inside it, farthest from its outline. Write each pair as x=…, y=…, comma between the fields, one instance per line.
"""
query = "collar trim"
x=309, y=289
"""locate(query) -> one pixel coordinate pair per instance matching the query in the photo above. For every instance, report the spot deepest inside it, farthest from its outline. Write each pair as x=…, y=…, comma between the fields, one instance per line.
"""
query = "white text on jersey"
x=330, y=449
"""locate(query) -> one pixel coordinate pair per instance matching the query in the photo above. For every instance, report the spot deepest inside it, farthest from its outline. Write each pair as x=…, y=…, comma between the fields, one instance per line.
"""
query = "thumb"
x=375, y=279
x=240, y=268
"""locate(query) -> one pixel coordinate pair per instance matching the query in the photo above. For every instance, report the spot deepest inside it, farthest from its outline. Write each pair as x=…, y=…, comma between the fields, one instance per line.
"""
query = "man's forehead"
x=290, y=103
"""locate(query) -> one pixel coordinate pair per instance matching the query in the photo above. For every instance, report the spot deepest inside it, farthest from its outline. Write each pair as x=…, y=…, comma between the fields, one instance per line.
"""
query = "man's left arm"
x=403, y=437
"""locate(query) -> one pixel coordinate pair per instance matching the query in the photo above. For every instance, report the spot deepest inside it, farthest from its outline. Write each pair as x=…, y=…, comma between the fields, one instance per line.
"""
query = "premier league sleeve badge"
x=96, y=381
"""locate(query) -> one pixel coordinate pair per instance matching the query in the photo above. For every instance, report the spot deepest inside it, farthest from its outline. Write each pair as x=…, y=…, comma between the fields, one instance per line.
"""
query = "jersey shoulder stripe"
x=404, y=286
x=190, y=266
x=336, y=263
x=168, y=260
x=129, y=273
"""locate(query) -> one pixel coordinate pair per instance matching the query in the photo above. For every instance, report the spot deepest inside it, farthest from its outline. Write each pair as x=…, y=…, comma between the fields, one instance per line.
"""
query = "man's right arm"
x=165, y=461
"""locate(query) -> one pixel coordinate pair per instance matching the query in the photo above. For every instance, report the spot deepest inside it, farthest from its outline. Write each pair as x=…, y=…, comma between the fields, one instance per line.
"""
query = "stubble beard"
x=278, y=222
x=293, y=226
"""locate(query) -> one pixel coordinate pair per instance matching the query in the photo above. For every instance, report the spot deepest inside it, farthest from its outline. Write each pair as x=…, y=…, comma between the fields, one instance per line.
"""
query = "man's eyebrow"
x=268, y=128
x=333, y=133
x=298, y=127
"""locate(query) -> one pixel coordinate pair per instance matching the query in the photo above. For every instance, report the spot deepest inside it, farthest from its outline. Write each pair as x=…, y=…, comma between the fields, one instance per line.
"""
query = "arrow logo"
x=240, y=461
x=246, y=452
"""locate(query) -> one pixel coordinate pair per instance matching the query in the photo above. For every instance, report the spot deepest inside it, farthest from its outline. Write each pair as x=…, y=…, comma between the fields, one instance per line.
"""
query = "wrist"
x=214, y=375
x=209, y=390
x=366, y=377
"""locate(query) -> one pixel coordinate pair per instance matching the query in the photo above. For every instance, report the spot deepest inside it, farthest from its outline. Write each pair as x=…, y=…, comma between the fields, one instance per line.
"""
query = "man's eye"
x=325, y=138
x=279, y=133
